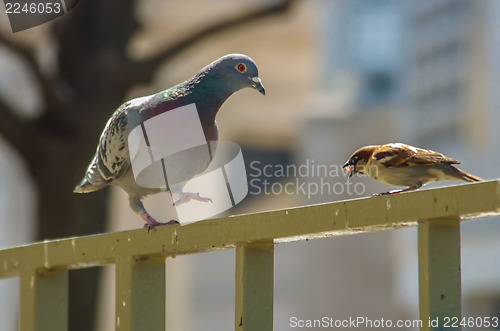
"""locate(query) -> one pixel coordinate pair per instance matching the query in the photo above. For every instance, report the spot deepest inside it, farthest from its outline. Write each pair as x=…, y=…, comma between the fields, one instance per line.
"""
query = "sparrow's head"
x=358, y=160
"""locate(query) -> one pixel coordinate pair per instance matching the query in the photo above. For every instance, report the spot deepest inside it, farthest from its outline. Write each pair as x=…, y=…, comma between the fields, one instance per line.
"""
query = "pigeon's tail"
x=85, y=187
x=462, y=175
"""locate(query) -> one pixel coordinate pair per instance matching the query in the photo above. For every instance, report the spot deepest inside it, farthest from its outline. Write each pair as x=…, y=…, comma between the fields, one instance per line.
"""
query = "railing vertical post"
x=254, y=287
x=439, y=273
x=140, y=294
x=44, y=300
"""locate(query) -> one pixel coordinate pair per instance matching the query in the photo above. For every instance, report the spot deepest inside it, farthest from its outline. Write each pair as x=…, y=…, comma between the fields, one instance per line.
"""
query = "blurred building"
x=418, y=72
x=451, y=77
x=362, y=41
x=356, y=104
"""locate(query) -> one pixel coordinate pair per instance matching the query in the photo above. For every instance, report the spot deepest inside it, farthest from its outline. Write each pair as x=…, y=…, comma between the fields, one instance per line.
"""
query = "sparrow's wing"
x=394, y=155
x=428, y=157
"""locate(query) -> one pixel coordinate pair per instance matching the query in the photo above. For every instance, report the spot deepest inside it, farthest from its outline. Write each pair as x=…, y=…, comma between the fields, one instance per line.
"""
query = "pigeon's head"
x=238, y=71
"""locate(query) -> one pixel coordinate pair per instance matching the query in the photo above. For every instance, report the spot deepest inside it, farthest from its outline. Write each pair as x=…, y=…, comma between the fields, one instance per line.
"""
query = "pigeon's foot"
x=151, y=222
x=187, y=196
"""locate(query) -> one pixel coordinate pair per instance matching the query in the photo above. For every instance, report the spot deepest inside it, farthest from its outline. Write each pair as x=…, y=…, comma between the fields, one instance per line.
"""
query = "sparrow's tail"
x=461, y=175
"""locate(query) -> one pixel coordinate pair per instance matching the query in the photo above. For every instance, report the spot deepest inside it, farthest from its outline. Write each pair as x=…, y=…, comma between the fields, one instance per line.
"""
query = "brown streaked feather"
x=428, y=157
x=394, y=155
x=401, y=155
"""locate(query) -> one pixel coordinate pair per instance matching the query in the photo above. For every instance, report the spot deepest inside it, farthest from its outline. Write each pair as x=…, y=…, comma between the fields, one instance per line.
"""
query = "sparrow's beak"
x=350, y=168
x=257, y=84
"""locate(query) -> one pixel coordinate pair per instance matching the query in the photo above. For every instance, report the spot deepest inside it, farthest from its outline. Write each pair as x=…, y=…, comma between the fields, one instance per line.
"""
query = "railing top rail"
x=468, y=201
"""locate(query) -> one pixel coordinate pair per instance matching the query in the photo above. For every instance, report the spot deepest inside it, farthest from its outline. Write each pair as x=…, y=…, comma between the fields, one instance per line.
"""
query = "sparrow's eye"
x=241, y=67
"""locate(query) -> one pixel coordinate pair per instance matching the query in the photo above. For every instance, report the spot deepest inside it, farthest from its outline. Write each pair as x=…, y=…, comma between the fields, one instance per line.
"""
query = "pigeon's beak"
x=257, y=84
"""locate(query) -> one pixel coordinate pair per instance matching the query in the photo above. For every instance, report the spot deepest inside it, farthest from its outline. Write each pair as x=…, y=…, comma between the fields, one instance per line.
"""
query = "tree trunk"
x=92, y=77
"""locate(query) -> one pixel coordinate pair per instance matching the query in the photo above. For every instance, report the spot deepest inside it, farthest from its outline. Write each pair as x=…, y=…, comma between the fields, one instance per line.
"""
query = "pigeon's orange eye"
x=241, y=67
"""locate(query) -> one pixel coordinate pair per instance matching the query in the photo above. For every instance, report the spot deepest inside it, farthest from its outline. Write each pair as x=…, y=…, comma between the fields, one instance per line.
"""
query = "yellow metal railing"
x=140, y=256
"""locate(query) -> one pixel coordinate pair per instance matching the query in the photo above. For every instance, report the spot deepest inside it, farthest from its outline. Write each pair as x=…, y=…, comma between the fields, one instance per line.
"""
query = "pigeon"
x=405, y=165
x=208, y=89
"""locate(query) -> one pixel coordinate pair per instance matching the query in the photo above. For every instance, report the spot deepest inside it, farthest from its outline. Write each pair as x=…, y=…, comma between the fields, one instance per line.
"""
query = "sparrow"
x=207, y=90
x=404, y=165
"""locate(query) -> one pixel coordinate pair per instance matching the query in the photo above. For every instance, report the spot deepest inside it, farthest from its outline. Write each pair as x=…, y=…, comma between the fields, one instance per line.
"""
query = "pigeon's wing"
x=111, y=160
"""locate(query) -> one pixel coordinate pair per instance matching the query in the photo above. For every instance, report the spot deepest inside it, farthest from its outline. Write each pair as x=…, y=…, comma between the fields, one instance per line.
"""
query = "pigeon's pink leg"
x=138, y=207
x=187, y=196
x=151, y=222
